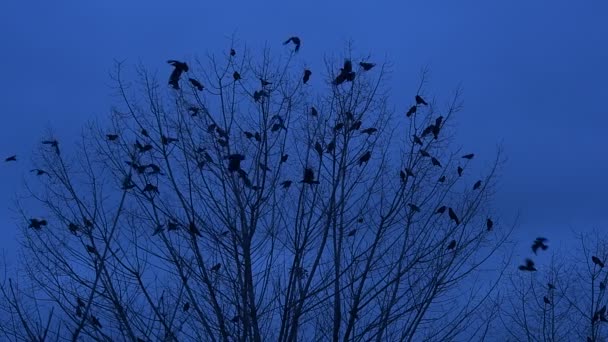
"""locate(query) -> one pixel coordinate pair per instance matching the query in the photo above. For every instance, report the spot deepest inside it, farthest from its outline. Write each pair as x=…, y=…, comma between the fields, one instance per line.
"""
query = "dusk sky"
x=534, y=75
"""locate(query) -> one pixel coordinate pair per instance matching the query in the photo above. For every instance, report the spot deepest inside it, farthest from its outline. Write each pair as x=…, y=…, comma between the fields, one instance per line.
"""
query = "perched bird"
x=331, y=146
x=452, y=245
x=597, y=261
x=453, y=216
x=309, y=176
x=286, y=184
x=159, y=229
x=112, y=137
x=319, y=148
x=257, y=137
x=234, y=162
x=155, y=169
x=73, y=228
x=414, y=207
x=264, y=167
x=428, y=130
x=127, y=183
x=232, y=52
x=307, y=74
x=264, y=82
x=369, y=131
x=144, y=132
x=551, y=286
x=441, y=179
x=248, y=134
x=284, y=158
x=435, y=162
x=37, y=224
x=11, y=158
x=193, y=110
x=420, y=100
x=529, y=266
x=355, y=126
x=411, y=111
x=402, y=175
x=257, y=95
x=460, y=169
x=167, y=140
x=236, y=76
x=196, y=84
x=178, y=69
x=417, y=140
x=600, y=315
x=313, y=111
x=186, y=307
x=424, y=153
x=365, y=158
x=489, y=224
x=216, y=267
x=437, y=127
x=367, y=66
x=352, y=233
x=338, y=126
x=441, y=209
x=193, y=230
x=539, y=243
x=409, y=172
x=477, y=185
x=546, y=300
x=469, y=156
x=346, y=73
x=171, y=225
x=39, y=172
x=296, y=41
x=91, y=249
x=150, y=188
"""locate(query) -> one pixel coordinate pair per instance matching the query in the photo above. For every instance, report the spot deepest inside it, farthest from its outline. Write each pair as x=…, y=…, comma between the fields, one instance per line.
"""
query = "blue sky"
x=533, y=72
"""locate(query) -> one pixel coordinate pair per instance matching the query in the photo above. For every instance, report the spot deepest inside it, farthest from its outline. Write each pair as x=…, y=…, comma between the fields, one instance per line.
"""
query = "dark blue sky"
x=534, y=75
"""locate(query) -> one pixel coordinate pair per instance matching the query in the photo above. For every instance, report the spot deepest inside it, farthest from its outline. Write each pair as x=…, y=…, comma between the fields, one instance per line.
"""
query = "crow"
x=460, y=169
x=469, y=156
x=178, y=69
x=145, y=133
x=452, y=245
x=193, y=230
x=257, y=137
x=352, y=233
x=313, y=111
x=127, y=184
x=411, y=111
x=435, y=162
x=551, y=286
x=234, y=162
x=37, y=224
x=11, y=158
x=232, y=52
x=257, y=95
x=39, y=172
x=420, y=100
x=143, y=148
x=355, y=126
x=150, y=188
x=402, y=175
x=319, y=148
x=186, y=306
x=112, y=137
x=338, y=126
x=441, y=179
x=91, y=249
x=597, y=261
x=296, y=41
x=216, y=267
x=477, y=185
x=307, y=74
x=284, y=158
x=196, y=84
x=546, y=300
x=441, y=209
x=417, y=140
x=167, y=140
x=309, y=176
x=211, y=128
x=453, y=216
x=367, y=66
x=73, y=228
x=424, y=153
x=331, y=146
x=365, y=158
x=286, y=184
x=369, y=131
x=264, y=82
x=87, y=223
x=248, y=134
x=414, y=207
x=437, y=127
x=172, y=225
x=236, y=76
x=155, y=169
x=349, y=115
x=409, y=172
x=529, y=266
x=346, y=73
x=489, y=224
x=159, y=229
x=539, y=243
x=193, y=110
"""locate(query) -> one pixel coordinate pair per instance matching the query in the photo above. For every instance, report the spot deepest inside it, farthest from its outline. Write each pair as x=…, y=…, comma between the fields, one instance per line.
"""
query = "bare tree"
x=563, y=301
x=246, y=203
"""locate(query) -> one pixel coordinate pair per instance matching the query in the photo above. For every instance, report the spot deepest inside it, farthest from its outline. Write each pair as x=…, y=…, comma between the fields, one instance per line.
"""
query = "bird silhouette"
x=232, y=52
x=453, y=216
x=193, y=229
x=546, y=300
x=424, y=153
x=193, y=110
x=143, y=148
x=435, y=162
x=248, y=134
x=437, y=127
x=144, y=132
x=417, y=140
x=331, y=146
x=346, y=73
x=264, y=167
x=352, y=233
x=39, y=172
x=257, y=137
x=411, y=111
x=367, y=66
x=178, y=69
x=452, y=245
x=477, y=185
x=150, y=188
x=112, y=137
x=216, y=267
x=11, y=158
x=171, y=225
x=551, y=286
x=264, y=82
x=469, y=156
x=365, y=158
x=409, y=172
x=306, y=77
x=428, y=130
x=95, y=322
x=234, y=162
x=309, y=176
x=460, y=169
x=284, y=158
x=414, y=207
x=402, y=175
x=167, y=140
x=313, y=111
x=286, y=184
x=355, y=126
x=597, y=261
x=420, y=100
x=489, y=224
x=600, y=315
x=441, y=209
x=127, y=183
x=186, y=307
x=257, y=95
x=37, y=224
x=369, y=131
x=319, y=148
x=236, y=76
x=296, y=41
x=539, y=243
x=73, y=228
x=196, y=84
x=529, y=266
x=91, y=249
x=338, y=126
x=441, y=179
x=155, y=169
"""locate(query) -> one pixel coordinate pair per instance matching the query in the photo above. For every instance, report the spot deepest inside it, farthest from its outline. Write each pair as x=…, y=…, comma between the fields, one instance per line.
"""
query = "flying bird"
x=489, y=224
x=296, y=41
x=539, y=243
x=178, y=69
x=365, y=158
x=597, y=261
x=420, y=100
x=309, y=176
x=196, y=84
x=469, y=156
x=367, y=66
x=411, y=111
x=11, y=158
x=477, y=185
x=37, y=224
x=452, y=245
x=453, y=216
x=306, y=77
x=529, y=266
